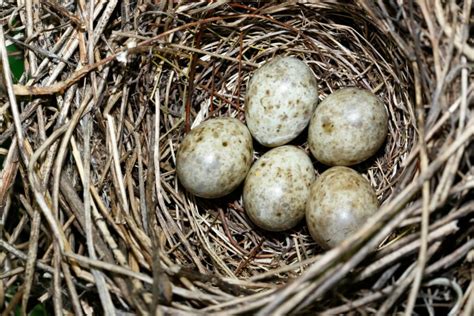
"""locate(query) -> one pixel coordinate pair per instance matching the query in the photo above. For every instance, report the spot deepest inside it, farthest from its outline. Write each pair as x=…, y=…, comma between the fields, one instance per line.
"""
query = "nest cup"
x=161, y=249
x=343, y=48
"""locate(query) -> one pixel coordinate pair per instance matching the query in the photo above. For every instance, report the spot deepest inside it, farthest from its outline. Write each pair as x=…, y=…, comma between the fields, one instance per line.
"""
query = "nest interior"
x=90, y=203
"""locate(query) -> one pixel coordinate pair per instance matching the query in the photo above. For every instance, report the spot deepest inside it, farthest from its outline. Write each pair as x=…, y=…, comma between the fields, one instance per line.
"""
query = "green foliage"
x=38, y=310
x=15, y=59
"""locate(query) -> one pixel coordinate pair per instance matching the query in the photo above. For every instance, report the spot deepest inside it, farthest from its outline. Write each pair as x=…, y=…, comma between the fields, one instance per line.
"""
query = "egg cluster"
x=281, y=188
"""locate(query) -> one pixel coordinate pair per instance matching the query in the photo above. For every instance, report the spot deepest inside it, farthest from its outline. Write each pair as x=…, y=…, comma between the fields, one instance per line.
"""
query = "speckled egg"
x=281, y=96
x=347, y=127
x=340, y=202
x=214, y=158
x=277, y=187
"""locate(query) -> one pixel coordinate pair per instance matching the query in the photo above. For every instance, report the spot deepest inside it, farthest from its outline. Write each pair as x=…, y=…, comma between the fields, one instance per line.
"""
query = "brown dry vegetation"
x=107, y=97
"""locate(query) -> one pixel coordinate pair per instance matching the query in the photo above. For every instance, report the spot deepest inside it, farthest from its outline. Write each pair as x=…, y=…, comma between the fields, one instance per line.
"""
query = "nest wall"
x=104, y=111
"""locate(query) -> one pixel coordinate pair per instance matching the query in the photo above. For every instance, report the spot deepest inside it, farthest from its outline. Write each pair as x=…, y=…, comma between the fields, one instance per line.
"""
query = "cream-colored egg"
x=340, y=202
x=214, y=158
x=281, y=96
x=347, y=127
x=277, y=187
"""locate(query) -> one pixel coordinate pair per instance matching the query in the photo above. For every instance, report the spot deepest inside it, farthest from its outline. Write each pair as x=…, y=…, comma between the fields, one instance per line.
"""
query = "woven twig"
x=93, y=216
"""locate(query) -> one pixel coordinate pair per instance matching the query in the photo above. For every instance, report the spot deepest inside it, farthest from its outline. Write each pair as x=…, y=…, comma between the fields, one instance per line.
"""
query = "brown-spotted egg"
x=214, y=158
x=340, y=202
x=277, y=187
x=347, y=127
x=280, y=99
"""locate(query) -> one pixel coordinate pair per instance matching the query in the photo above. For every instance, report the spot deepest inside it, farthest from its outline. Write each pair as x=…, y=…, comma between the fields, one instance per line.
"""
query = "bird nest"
x=94, y=218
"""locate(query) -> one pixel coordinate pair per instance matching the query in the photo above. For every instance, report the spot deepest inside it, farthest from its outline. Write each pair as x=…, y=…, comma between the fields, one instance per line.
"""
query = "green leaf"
x=39, y=310
x=15, y=59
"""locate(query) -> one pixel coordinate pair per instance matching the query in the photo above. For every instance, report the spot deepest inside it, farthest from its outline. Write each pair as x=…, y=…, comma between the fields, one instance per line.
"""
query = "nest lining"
x=207, y=253
x=339, y=56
